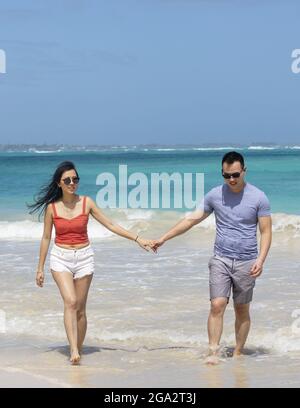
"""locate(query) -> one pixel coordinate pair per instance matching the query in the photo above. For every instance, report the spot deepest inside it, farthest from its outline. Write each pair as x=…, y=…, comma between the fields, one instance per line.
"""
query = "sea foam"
x=142, y=220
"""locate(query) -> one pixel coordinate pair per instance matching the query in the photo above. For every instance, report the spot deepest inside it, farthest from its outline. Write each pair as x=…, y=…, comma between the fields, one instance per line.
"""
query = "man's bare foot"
x=237, y=353
x=75, y=357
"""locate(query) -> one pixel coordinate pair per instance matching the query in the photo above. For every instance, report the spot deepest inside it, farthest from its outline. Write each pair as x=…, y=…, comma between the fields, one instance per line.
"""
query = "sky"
x=142, y=72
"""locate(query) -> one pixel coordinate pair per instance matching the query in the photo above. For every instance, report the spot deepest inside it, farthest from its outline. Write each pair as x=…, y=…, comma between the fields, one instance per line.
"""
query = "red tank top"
x=71, y=231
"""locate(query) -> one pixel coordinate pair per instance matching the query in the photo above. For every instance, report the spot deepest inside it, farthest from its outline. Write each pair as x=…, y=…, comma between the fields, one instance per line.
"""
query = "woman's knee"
x=71, y=303
x=81, y=310
x=81, y=314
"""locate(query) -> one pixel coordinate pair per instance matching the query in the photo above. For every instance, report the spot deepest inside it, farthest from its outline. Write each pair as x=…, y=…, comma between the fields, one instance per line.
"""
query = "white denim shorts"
x=78, y=262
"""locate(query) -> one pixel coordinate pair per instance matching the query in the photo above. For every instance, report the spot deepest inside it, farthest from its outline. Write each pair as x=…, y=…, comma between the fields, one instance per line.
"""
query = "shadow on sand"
x=251, y=352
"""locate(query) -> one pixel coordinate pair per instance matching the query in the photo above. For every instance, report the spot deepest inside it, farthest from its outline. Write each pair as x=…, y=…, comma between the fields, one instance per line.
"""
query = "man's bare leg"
x=215, y=324
x=242, y=326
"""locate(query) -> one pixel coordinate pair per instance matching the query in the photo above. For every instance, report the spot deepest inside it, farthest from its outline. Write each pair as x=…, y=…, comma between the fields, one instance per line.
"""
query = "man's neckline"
x=236, y=192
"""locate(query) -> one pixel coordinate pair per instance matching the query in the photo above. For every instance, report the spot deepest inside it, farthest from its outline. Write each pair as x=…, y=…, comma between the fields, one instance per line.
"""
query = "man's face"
x=235, y=183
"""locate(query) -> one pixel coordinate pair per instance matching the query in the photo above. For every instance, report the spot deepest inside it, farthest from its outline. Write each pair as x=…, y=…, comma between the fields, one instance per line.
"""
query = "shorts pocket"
x=57, y=252
x=90, y=251
x=211, y=260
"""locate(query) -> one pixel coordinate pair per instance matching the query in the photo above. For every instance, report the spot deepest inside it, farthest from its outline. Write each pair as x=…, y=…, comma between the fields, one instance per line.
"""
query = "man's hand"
x=256, y=269
x=157, y=243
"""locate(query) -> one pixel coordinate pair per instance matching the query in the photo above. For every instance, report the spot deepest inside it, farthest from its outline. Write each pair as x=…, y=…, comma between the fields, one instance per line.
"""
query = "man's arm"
x=265, y=228
x=180, y=228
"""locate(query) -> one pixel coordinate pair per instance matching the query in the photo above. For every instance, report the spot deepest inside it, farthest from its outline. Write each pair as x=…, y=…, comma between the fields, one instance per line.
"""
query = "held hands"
x=256, y=269
x=39, y=278
x=156, y=244
x=146, y=244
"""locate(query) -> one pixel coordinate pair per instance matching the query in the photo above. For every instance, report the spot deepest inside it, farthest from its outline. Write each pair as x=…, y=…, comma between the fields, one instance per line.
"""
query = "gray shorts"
x=225, y=273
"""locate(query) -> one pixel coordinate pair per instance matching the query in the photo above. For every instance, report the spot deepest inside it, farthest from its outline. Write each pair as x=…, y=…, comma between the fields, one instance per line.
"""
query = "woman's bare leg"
x=65, y=283
x=82, y=286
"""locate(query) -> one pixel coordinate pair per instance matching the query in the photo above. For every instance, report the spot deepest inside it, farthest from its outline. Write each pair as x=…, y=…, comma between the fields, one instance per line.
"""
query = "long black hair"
x=50, y=192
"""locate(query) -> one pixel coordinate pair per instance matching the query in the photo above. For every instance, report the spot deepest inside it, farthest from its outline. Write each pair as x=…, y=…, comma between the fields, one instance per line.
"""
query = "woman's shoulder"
x=49, y=206
x=49, y=209
x=90, y=204
x=89, y=200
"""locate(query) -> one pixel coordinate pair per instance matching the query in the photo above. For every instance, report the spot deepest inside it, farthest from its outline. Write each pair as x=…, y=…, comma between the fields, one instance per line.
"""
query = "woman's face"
x=68, y=182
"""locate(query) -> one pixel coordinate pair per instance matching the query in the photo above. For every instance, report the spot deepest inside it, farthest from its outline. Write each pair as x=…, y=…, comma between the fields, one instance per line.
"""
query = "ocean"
x=142, y=302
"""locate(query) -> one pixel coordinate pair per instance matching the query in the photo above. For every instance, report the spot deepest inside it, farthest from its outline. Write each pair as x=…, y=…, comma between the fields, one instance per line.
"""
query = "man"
x=238, y=207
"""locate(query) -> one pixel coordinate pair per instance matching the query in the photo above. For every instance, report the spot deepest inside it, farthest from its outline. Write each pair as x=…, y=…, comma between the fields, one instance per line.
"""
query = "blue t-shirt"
x=236, y=219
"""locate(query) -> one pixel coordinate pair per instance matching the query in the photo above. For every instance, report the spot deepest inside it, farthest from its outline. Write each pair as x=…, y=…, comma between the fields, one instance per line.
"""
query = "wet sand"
x=28, y=364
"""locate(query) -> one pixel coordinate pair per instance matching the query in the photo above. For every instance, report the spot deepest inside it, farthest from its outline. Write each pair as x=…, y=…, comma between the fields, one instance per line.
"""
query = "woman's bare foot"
x=212, y=360
x=213, y=356
x=75, y=357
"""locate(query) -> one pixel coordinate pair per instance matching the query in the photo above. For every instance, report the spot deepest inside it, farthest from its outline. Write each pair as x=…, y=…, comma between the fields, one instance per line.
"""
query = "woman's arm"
x=115, y=228
x=44, y=246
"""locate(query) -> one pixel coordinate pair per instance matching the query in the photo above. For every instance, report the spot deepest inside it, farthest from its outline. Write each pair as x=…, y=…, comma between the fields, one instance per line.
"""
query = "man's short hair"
x=232, y=157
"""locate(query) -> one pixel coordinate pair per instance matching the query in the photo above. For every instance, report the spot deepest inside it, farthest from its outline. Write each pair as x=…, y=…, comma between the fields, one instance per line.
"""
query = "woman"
x=72, y=257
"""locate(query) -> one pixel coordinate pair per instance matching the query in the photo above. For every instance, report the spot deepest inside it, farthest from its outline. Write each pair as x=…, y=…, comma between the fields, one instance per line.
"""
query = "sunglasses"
x=228, y=176
x=68, y=180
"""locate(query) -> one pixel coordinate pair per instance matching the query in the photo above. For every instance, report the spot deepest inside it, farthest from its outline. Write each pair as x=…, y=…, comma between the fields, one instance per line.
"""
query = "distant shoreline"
x=56, y=148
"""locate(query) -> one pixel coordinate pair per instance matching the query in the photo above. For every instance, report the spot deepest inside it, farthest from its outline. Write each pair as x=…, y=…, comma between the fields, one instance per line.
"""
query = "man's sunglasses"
x=228, y=176
x=68, y=180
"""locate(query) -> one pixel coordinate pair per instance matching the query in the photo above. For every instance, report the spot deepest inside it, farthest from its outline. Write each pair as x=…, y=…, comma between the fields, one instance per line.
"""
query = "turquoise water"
x=275, y=171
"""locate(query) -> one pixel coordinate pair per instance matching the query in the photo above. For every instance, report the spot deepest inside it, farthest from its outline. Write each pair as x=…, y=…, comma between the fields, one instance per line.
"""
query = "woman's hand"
x=40, y=278
x=145, y=243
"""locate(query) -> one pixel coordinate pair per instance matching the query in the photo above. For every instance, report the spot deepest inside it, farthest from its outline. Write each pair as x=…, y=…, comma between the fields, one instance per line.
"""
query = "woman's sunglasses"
x=68, y=180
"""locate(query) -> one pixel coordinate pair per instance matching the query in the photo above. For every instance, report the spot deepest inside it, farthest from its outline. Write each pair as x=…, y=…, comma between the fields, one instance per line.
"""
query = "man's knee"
x=242, y=310
x=218, y=306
